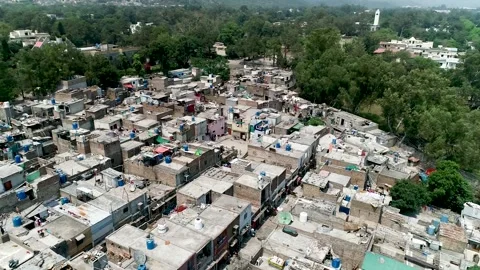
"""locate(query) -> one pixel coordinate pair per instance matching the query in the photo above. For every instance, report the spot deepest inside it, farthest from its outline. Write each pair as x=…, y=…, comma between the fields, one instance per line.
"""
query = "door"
x=8, y=185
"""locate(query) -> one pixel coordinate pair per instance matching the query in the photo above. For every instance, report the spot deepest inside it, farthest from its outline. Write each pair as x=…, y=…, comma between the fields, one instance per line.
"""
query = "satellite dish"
x=285, y=218
x=139, y=257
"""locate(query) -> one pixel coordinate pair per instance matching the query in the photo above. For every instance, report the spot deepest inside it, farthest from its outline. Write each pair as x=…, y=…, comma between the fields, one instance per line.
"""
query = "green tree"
x=218, y=66
x=448, y=188
x=409, y=196
x=101, y=72
x=7, y=83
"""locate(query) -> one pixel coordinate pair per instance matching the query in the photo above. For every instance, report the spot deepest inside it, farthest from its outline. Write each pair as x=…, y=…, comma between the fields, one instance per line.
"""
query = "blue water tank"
x=18, y=159
x=193, y=118
x=168, y=159
x=336, y=263
x=118, y=100
x=160, y=156
x=257, y=113
x=150, y=244
x=185, y=147
x=64, y=200
x=444, y=218
x=63, y=178
x=142, y=267
x=278, y=145
x=288, y=147
x=75, y=125
x=17, y=221
x=334, y=141
x=431, y=230
x=157, y=131
x=436, y=223
x=348, y=198
x=26, y=147
x=9, y=138
x=230, y=109
x=132, y=135
x=132, y=108
x=263, y=173
x=53, y=101
x=355, y=187
x=181, y=127
x=120, y=182
x=21, y=195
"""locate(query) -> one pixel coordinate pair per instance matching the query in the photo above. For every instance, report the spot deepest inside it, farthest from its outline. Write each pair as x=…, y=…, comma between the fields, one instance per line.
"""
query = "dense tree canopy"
x=409, y=197
x=448, y=188
x=435, y=111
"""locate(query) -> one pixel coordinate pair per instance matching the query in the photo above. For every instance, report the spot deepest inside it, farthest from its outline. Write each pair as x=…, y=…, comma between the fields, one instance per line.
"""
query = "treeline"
x=432, y=109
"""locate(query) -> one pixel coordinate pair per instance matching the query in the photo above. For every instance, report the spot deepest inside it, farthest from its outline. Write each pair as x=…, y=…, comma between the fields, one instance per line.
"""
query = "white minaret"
x=376, y=21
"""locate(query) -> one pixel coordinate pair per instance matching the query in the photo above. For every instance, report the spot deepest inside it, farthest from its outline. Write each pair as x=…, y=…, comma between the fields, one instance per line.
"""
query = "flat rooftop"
x=147, y=123
x=46, y=259
x=71, y=167
x=220, y=174
x=164, y=251
x=83, y=186
x=250, y=181
x=125, y=235
x=86, y=213
x=215, y=220
x=11, y=251
x=345, y=157
x=215, y=185
x=7, y=170
x=231, y=203
x=178, y=167
x=322, y=178
x=129, y=145
x=65, y=227
x=181, y=236
x=194, y=190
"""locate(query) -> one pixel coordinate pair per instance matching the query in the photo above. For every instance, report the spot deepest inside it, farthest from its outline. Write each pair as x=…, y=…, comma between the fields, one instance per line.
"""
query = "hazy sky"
x=449, y=3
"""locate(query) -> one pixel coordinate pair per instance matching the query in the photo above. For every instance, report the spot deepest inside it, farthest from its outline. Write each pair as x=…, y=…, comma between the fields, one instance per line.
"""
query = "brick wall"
x=166, y=176
x=222, y=100
x=252, y=195
x=351, y=254
x=356, y=177
x=273, y=157
x=137, y=168
x=365, y=211
x=311, y=191
x=83, y=147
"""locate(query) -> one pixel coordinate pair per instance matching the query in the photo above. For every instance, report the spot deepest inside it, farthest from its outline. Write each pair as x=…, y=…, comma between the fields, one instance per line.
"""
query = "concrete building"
x=218, y=224
x=131, y=148
x=123, y=243
x=188, y=239
x=75, y=82
x=125, y=204
x=244, y=219
x=99, y=222
x=203, y=190
x=447, y=58
x=108, y=123
x=324, y=185
x=28, y=37
x=11, y=175
x=97, y=111
x=368, y=206
x=108, y=146
x=292, y=152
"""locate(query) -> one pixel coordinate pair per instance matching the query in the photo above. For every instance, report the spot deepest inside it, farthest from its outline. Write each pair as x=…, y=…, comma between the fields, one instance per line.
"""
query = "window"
x=245, y=216
x=125, y=210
